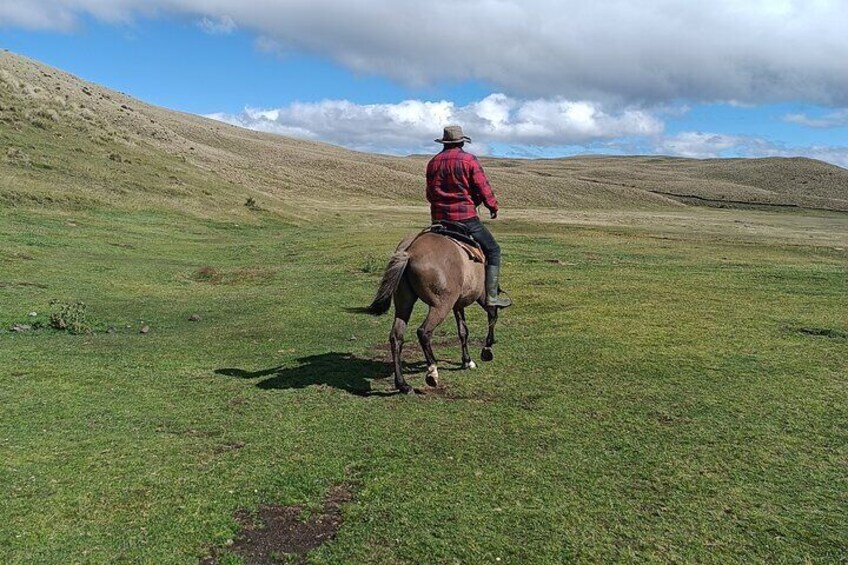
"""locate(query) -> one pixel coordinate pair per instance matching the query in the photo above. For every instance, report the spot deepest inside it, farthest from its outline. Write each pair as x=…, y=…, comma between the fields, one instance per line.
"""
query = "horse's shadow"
x=343, y=371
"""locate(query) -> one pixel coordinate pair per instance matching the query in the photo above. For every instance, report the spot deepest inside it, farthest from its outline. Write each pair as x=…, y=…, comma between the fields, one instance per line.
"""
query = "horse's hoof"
x=486, y=354
x=469, y=365
x=432, y=378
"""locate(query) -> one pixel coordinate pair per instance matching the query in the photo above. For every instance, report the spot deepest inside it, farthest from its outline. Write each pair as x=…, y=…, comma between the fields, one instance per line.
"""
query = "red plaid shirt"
x=456, y=185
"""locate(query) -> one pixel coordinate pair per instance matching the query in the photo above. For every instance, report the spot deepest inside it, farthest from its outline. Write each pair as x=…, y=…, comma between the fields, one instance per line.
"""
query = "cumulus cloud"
x=501, y=125
x=411, y=125
x=749, y=51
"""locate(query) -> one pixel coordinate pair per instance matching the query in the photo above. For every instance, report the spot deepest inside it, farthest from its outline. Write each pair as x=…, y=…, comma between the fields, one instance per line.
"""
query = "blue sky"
x=525, y=78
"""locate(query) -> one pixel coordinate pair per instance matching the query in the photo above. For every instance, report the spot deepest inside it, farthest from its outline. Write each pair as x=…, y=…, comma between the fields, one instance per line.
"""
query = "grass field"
x=664, y=391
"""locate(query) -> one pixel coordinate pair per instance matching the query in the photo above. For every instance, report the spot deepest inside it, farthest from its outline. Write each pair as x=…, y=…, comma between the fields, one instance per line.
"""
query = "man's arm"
x=429, y=173
x=480, y=185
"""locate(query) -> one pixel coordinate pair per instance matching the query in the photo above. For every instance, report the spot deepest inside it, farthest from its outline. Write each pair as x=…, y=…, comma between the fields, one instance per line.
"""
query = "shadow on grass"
x=343, y=371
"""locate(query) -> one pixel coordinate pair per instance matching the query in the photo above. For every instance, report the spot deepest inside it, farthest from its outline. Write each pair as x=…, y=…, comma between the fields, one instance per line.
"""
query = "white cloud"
x=834, y=155
x=700, y=145
x=748, y=51
x=224, y=25
x=33, y=16
x=504, y=126
x=270, y=46
x=837, y=119
x=411, y=125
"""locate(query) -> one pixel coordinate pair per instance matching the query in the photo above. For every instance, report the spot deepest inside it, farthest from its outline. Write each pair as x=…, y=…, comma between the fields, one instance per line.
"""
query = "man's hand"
x=493, y=214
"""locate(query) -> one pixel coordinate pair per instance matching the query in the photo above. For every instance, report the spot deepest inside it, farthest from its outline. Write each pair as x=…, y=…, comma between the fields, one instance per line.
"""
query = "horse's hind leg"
x=435, y=316
x=404, y=301
x=462, y=330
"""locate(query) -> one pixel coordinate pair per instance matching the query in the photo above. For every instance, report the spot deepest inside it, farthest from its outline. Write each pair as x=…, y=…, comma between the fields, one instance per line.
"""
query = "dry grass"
x=122, y=152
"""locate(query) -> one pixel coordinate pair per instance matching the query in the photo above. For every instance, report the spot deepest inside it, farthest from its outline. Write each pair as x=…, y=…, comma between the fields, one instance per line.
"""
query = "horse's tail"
x=391, y=280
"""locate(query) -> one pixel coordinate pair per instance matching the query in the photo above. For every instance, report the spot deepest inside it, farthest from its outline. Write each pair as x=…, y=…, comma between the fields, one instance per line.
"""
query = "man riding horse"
x=438, y=270
x=456, y=186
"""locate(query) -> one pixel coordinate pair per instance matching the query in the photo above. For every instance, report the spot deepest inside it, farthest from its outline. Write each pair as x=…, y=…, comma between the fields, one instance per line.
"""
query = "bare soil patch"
x=282, y=534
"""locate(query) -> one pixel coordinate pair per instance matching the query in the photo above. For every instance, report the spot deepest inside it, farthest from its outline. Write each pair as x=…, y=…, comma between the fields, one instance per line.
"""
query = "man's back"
x=456, y=185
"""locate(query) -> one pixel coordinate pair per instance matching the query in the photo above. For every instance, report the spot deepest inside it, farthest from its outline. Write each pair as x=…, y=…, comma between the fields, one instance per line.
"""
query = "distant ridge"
x=71, y=143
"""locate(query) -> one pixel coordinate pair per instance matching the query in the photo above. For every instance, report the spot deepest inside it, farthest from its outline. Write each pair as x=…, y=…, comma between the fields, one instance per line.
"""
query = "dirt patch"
x=282, y=534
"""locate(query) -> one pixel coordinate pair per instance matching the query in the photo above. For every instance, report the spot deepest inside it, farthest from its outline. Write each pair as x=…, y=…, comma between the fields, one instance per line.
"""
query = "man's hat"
x=453, y=134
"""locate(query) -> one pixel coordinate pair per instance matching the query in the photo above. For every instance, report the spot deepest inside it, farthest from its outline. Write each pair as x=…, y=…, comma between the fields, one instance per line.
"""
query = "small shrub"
x=71, y=318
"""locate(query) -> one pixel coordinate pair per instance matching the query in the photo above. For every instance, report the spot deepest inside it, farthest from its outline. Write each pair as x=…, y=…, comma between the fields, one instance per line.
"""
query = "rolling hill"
x=71, y=143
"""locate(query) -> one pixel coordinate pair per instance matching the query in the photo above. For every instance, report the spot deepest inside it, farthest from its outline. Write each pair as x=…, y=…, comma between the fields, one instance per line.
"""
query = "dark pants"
x=490, y=247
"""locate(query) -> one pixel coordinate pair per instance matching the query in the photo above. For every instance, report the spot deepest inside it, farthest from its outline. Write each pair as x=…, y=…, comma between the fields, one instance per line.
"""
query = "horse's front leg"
x=486, y=354
x=435, y=316
x=462, y=330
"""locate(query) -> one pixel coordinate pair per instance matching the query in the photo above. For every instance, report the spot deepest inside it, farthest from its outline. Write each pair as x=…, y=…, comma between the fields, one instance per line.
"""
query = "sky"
x=525, y=78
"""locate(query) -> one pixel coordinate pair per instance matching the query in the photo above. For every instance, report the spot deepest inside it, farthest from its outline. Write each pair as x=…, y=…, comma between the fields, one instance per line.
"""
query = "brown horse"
x=439, y=272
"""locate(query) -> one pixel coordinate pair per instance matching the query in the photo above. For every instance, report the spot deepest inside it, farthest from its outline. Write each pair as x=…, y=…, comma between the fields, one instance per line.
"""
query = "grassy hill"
x=72, y=143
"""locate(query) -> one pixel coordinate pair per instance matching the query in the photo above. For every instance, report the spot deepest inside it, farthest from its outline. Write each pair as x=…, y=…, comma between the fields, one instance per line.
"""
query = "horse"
x=444, y=276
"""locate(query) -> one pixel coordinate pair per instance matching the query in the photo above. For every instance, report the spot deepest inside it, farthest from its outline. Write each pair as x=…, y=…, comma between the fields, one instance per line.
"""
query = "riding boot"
x=492, y=289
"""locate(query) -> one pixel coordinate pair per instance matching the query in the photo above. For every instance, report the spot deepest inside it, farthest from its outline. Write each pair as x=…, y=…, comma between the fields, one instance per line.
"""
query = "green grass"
x=652, y=398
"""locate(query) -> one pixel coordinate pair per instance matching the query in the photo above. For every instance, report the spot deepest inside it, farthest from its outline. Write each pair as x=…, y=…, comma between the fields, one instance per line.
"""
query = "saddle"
x=460, y=235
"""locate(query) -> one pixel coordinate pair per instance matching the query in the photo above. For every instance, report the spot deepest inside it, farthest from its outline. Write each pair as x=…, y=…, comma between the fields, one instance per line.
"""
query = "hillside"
x=70, y=143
